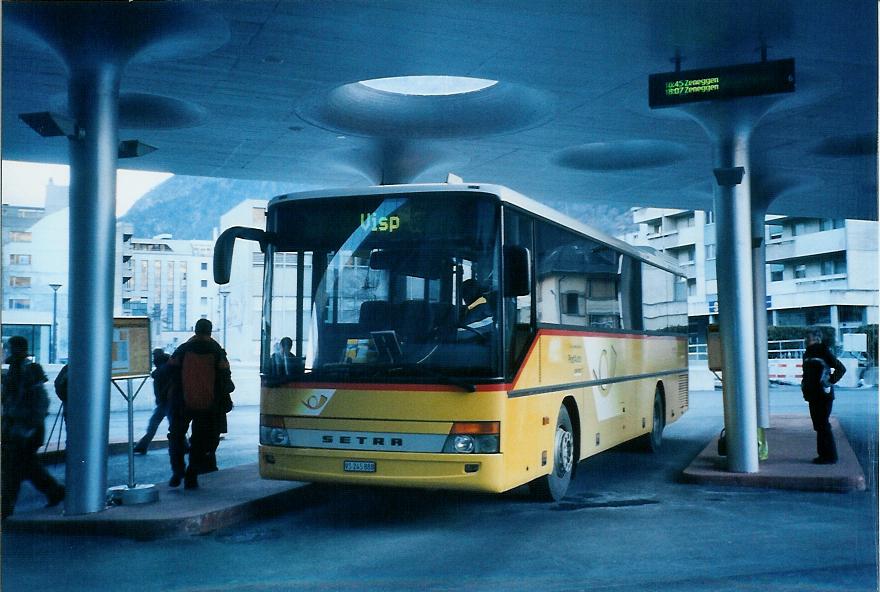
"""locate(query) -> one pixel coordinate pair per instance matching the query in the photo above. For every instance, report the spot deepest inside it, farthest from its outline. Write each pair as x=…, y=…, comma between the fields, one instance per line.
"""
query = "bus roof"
x=505, y=195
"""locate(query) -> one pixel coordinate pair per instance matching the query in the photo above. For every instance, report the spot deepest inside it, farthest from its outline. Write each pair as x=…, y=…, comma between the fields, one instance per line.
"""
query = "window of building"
x=710, y=251
x=774, y=231
x=654, y=227
x=692, y=287
x=799, y=229
x=570, y=304
x=680, y=289
x=686, y=256
x=204, y=266
x=203, y=301
x=710, y=217
x=19, y=259
x=204, y=283
x=800, y=271
x=840, y=265
x=19, y=304
x=16, y=281
x=776, y=272
x=851, y=314
x=20, y=236
x=827, y=267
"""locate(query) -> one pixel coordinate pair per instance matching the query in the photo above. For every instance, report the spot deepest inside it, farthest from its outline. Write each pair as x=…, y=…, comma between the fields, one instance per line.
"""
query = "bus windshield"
x=384, y=289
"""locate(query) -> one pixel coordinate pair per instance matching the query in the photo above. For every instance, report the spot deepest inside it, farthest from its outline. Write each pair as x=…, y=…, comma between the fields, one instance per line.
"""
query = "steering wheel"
x=479, y=335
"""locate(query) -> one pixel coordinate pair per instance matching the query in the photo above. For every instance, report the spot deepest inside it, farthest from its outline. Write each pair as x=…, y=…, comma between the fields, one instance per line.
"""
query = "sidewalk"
x=792, y=442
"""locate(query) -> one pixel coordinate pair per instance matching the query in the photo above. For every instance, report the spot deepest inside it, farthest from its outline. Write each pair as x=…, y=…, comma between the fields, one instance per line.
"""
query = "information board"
x=131, y=355
x=671, y=89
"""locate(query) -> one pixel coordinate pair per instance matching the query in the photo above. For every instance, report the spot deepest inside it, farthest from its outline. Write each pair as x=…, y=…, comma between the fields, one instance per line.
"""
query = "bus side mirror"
x=517, y=271
x=225, y=244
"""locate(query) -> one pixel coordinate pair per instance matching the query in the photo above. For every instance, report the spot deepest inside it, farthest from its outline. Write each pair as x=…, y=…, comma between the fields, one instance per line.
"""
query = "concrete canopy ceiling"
x=271, y=97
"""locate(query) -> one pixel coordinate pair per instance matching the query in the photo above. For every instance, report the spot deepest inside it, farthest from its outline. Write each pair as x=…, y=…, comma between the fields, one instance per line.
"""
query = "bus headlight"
x=272, y=431
x=463, y=444
x=475, y=437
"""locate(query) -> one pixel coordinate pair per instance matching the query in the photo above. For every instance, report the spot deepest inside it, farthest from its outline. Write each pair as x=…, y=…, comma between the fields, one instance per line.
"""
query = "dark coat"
x=820, y=350
x=25, y=402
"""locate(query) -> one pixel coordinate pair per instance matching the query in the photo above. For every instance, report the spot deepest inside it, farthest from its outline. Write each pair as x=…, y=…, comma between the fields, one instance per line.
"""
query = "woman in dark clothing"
x=820, y=396
x=25, y=405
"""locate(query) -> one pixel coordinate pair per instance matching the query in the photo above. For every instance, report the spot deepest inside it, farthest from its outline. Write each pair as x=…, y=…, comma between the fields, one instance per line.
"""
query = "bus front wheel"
x=552, y=487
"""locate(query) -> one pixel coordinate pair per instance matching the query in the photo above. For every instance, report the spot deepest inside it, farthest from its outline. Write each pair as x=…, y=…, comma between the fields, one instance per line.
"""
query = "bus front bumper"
x=469, y=472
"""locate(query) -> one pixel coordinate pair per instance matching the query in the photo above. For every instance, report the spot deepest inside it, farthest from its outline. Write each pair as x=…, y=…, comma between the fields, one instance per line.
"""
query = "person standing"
x=161, y=383
x=25, y=405
x=821, y=370
x=201, y=378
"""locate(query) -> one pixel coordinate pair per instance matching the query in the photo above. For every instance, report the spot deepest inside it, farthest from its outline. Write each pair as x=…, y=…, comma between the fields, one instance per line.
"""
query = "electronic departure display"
x=671, y=89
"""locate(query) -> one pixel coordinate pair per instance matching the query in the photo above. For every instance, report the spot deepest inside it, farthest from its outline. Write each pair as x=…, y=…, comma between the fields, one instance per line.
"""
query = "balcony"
x=809, y=245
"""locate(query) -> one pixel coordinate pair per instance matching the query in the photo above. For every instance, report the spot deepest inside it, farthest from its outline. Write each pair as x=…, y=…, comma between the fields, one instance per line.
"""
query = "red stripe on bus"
x=373, y=386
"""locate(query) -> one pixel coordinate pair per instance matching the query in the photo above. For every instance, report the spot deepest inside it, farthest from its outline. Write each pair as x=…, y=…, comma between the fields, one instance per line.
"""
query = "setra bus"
x=456, y=336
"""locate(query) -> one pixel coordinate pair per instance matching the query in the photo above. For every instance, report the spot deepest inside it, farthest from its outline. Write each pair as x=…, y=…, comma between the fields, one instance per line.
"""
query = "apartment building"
x=169, y=281
x=819, y=271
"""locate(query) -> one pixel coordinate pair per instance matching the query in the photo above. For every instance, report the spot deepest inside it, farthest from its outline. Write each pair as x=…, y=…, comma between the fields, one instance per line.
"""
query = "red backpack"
x=198, y=375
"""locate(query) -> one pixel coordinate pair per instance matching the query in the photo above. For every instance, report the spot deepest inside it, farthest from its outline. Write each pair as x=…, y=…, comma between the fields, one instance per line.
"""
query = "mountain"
x=190, y=207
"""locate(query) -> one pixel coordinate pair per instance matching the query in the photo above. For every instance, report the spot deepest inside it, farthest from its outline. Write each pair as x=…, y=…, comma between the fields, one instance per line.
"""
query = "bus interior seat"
x=375, y=315
x=413, y=320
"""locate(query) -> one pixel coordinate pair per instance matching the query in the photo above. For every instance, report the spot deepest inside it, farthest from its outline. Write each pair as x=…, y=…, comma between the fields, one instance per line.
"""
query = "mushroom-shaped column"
x=729, y=125
x=403, y=119
x=95, y=41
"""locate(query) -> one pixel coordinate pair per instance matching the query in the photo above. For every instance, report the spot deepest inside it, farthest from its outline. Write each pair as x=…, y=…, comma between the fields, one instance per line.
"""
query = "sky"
x=24, y=183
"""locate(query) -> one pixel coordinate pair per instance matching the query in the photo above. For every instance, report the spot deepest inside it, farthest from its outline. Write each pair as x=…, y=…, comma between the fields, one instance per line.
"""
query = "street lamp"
x=224, y=293
x=53, y=342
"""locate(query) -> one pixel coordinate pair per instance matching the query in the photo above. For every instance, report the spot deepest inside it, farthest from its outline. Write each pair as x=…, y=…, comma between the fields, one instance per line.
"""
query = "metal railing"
x=787, y=349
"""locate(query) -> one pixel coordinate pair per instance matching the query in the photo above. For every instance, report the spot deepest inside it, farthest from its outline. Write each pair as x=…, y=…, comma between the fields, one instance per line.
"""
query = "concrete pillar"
x=93, y=99
x=759, y=269
x=835, y=322
x=733, y=225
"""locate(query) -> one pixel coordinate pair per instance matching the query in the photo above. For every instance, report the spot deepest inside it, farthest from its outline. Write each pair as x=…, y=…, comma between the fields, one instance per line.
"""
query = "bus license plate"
x=359, y=466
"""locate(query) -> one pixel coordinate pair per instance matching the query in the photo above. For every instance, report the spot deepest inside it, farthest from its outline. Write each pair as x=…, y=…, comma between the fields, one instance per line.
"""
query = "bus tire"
x=653, y=440
x=552, y=487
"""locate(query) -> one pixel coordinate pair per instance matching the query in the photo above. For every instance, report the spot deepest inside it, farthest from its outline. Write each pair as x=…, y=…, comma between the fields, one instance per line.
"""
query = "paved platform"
x=223, y=498
x=55, y=452
x=792, y=444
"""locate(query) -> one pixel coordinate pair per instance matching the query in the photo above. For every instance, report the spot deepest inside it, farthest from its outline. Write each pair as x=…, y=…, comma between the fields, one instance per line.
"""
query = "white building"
x=35, y=259
x=169, y=281
x=819, y=272
x=244, y=302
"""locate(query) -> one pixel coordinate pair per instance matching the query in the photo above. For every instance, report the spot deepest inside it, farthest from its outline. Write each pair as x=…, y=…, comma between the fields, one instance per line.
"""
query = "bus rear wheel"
x=552, y=487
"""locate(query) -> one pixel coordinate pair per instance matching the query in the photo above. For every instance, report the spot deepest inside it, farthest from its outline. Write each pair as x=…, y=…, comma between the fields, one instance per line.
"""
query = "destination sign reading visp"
x=671, y=89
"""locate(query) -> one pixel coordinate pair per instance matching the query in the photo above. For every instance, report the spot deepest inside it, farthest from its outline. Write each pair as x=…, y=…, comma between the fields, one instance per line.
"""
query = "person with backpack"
x=202, y=382
x=161, y=385
x=25, y=406
x=821, y=370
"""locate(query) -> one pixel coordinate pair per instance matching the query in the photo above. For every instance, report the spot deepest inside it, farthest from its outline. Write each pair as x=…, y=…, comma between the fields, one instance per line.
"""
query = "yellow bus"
x=456, y=336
